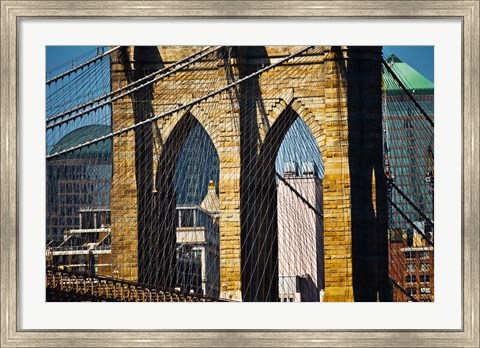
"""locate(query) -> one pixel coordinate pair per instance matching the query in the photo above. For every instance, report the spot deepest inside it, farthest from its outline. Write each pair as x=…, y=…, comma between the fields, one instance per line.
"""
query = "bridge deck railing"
x=65, y=285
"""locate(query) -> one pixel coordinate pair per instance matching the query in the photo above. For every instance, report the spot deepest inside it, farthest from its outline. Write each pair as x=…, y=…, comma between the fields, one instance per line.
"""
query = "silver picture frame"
x=12, y=13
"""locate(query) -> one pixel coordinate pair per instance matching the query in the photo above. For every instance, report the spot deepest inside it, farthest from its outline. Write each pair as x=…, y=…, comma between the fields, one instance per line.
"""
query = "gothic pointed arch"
x=157, y=238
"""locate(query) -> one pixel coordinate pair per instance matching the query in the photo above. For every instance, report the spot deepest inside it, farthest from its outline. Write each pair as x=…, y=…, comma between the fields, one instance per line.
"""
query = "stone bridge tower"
x=336, y=91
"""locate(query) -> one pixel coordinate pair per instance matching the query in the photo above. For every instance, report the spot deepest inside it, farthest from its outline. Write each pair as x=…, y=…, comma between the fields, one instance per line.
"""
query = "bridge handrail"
x=128, y=289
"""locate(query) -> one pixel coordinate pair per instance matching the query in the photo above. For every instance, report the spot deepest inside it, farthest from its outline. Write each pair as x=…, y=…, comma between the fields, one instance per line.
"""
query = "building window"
x=424, y=278
x=196, y=253
x=411, y=278
x=188, y=218
x=411, y=291
x=410, y=254
x=411, y=267
x=425, y=291
x=424, y=255
x=424, y=266
x=396, y=235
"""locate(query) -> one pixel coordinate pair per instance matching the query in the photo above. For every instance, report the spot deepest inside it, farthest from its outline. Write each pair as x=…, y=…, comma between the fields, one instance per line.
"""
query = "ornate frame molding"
x=467, y=11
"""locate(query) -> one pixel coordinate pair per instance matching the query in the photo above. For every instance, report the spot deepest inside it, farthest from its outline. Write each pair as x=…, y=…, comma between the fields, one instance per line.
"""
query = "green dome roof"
x=85, y=134
x=410, y=77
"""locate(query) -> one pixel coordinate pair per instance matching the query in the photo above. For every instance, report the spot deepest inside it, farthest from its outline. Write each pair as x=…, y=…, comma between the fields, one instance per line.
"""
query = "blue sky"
x=419, y=57
x=60, y=55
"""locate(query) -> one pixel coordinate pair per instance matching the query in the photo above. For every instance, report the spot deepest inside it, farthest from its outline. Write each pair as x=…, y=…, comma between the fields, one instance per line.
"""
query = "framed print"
x=211, y=154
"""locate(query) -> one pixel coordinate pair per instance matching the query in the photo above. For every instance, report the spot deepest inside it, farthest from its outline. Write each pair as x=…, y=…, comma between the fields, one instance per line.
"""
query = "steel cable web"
x=290, y=263
x=179, y=172
x=184, y=187
x=408, y=151
x=177, y=144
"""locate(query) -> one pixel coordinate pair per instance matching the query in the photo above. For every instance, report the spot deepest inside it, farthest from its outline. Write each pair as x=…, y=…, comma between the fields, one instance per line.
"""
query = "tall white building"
x=300, y=234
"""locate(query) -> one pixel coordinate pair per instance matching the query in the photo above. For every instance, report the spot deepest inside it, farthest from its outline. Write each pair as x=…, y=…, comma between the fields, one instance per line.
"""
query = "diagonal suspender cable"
x=411, y=203
x=134, y=83
x=428, y=118
x=110, y=101
x=298, y=194
x=184, y=107
x=411, y=222
x=410, y=134
x=155, y=251
x=398, y=286
x=71, y=71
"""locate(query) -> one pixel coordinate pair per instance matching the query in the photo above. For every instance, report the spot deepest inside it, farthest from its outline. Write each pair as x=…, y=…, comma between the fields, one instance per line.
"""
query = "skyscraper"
x=409, y=141
x=409, y=148
x=77, y=180
x=300, y=234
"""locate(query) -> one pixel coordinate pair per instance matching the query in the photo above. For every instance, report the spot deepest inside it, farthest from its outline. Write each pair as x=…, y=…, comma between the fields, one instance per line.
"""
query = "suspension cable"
x=411, y=223
x=398, y=286
x=428, y=118
x=410, y=202
x=180, y=108
x=298, y=194
x=78, y=67
x=110, y=101
x=134, y=83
